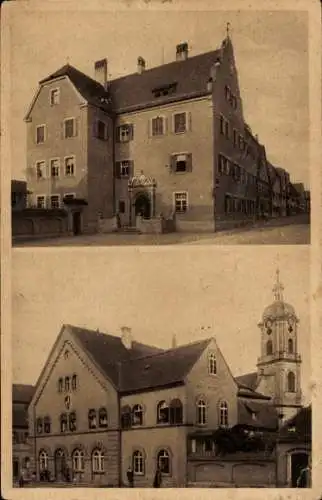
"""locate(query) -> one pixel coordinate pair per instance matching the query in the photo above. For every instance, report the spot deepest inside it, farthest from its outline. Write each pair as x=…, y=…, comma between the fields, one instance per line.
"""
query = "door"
x=298, y=462
x=76, y=223
x=15, y=467
x=143, y=206
x=60, y=465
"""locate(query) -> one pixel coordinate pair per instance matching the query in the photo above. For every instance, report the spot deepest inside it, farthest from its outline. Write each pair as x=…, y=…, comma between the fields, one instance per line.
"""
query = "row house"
x=22, y=444
x=168, y=141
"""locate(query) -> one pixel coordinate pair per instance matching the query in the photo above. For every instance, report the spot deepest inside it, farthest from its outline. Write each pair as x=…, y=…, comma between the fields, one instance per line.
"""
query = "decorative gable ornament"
x=142, y=180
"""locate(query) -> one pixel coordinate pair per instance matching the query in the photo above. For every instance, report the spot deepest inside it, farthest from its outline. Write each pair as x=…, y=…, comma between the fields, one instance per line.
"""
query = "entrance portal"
x=298, y=462
x=60, y=465
x=143, y=206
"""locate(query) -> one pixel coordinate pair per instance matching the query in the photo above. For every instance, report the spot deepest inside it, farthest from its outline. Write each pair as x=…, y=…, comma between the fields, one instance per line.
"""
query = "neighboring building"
x=170, y=140
x=299, y=187
x=22, y=452
x=294, y=447
x=19, y=195
x=307, y=197
x=277, y=193
x=103, y=403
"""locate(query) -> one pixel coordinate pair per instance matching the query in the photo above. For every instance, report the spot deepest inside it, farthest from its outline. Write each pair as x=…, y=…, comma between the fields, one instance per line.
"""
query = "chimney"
x=182, y=51
x=141, y=65
x=100, y=68
x=126, y=337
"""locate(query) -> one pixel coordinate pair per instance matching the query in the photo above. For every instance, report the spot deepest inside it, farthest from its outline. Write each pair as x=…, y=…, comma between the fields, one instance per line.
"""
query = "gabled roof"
x=248, y=380
x=22, y=393
x=299, y=427
x=90, y=89
x=265, y=414
x=190, y=77
x=19, y=416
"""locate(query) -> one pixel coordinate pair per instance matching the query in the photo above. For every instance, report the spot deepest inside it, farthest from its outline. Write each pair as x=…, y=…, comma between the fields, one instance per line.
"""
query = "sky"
x=271, y=51
x=192, y=293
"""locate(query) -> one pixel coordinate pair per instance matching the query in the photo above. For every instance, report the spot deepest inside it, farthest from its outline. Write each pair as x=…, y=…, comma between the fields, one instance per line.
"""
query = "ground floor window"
x=138, y=462
x=181, y=201
x=78, y=461
x=43, y=460
x=98, y=461
x=164, y=461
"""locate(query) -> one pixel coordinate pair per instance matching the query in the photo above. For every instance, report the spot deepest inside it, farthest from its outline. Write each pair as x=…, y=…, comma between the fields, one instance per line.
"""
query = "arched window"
x=74, y=382
x=67, y=384
x=97, y=461
x=60, y=385
x=269, y=348
x=290, y=346
x=78, y=461
x=137, y=415
x=126, y=417
x=176, y=413
x=72, y=422
x=92, y=421
x=47, y=425
x=63, y=422
x=138, y=463
x=291, y=382
x=43, y=460
x=223, y=414
x=164, y=461
x=102, y=417
x=201, y=412
x=212, y=365
x=39, y=425
x=163, y=413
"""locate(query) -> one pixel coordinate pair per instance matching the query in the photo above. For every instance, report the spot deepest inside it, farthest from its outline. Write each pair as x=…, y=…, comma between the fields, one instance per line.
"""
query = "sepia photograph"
x=126, y=374
x=159, y=127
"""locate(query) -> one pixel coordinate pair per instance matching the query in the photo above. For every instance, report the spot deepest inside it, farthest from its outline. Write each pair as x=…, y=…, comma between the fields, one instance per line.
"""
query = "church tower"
x=279, y=373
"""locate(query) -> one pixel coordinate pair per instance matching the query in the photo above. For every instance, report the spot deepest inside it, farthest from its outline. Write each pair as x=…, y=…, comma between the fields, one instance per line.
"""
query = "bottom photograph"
x=161, y=369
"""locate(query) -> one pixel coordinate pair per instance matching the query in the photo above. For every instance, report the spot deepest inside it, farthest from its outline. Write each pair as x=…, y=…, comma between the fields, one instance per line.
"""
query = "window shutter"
x=173, y=163
x=131, y=132
x=165, y=125
x=76, y=125
x=189, y=162
x=150, y=127
x=118, y=169
x=62, y=132
x=188, y=118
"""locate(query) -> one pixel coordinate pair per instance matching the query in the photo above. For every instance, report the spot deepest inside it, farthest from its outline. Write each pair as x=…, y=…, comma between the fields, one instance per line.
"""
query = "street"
x=294, y=230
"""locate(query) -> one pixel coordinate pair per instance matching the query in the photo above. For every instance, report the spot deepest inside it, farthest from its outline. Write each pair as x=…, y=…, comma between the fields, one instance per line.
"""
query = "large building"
x=168, y=143
x=103, y=403
x=22, y=453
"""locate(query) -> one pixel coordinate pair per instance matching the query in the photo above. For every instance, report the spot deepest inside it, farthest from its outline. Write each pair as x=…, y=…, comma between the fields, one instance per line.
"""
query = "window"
x=291, y=382
x=39, y=425
x=101, y=130
x=40, y=169
x=158, y=126
x=138, y=463
x=47, y=425
x=40, y=134
x=69, y=196
x=126, y=417
x=164, y=461
x=122, y=207
x=212, y=365
x=74, y=382
x=176, y=413
x=137, y=415
x=70, y=166
x=43, y=460
x=124, y=133
x=124, y=168
x=54, y=168
x=69, y=128
x=102, y=417
x=181, y=202
x=92, y=420
x=201, y=412
x=180, y=123
x=181, y=162
x=78, y=461
x=67, y=384
x=63, y=422
x=97, y=461
x=54, y=97
x=162, y=413
x=269, y=348
x=290, y=346
x=223, y=414
x=72, y=421
x=41, y=201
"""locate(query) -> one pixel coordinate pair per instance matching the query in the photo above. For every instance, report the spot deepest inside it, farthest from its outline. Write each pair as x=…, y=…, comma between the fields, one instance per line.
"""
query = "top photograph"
x=147, y=127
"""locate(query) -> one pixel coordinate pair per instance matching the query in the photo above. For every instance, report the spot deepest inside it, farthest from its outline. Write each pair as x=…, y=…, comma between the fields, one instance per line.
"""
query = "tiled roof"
x=19, y=416
x=265, y=414
x=22, y=393
x=91, y=90
x=248, y=380
x=298, y=427
x=142, y=366
x=190, y=76
x=244, y=391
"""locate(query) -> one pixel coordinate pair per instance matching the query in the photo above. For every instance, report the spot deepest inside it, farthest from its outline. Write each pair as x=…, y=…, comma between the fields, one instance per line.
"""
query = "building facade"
x=22, y=444
x=104, y=403
x=167, y=143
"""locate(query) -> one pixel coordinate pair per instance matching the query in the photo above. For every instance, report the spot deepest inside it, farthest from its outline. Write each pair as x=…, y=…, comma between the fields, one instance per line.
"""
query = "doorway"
x=77, y=223
x=143, y=206
x=15, y=467
x=60, y=465
x=299, y=461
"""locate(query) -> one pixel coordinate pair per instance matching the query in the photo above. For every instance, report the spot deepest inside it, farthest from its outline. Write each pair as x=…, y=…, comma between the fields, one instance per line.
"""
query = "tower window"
x=269, y=348
x=290, y=346
x=291, y=382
